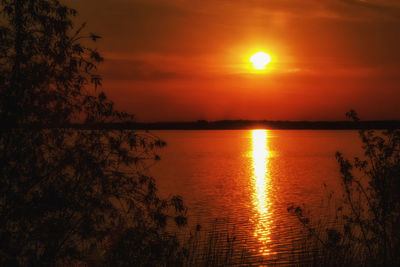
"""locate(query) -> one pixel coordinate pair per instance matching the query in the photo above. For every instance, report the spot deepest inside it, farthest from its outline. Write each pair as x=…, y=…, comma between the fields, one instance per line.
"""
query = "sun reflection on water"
x=261, y=196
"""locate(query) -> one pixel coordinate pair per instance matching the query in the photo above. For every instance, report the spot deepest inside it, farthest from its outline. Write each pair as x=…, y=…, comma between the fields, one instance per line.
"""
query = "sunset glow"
x=285, y=60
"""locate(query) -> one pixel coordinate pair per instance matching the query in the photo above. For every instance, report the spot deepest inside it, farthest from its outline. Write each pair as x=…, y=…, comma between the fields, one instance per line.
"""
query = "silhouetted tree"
x=70, y=195
x=367, y=230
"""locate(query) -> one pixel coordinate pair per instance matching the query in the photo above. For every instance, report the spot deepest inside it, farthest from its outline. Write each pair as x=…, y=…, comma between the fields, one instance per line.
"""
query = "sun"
x=260, y=60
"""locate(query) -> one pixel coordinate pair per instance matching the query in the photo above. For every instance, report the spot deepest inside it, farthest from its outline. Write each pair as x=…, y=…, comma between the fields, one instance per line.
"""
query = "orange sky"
x=170, y=60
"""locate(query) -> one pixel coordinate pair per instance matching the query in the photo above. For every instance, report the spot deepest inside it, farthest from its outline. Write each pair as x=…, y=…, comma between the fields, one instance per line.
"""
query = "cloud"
x=385, y=8
x=137, y=70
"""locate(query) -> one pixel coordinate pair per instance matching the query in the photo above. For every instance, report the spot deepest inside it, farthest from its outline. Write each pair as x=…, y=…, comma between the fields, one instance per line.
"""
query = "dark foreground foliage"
x=367, y=224
x=71, y=196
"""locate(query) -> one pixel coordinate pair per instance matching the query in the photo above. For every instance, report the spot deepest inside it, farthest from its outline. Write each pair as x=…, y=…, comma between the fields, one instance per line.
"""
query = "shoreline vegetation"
x=244, y=125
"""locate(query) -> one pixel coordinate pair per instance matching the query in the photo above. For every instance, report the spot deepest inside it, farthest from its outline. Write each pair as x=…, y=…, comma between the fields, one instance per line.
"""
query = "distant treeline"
x=246, y=124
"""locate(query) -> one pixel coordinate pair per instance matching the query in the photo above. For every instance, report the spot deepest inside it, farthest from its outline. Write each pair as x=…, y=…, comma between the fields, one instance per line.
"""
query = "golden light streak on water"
x=261, y=196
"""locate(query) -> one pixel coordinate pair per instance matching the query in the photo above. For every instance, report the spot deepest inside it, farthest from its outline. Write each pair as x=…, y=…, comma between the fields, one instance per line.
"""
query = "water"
x=248, y=178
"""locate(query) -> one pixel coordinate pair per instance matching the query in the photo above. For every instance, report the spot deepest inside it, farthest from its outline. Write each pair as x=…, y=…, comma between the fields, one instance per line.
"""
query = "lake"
x=246, y=179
